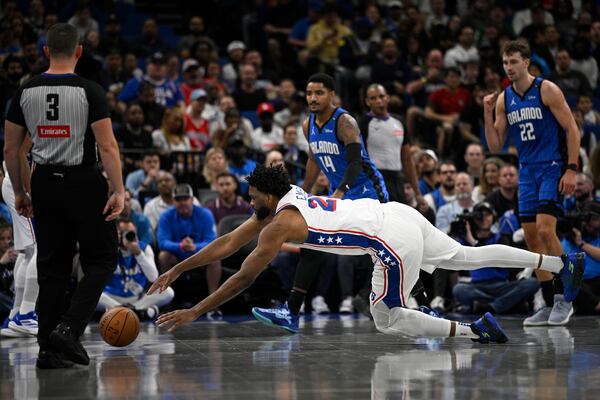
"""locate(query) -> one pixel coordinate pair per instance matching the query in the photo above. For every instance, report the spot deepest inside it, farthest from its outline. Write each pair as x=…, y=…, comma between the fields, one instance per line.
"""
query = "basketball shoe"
x=280, y=317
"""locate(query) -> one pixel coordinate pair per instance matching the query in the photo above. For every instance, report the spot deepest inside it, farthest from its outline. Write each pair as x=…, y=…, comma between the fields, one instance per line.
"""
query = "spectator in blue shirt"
x=183, y=230
x=144, y=179
x=490, y=288
x=166, y=92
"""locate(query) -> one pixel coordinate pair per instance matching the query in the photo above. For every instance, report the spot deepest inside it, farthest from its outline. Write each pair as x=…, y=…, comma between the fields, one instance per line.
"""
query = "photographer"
x=490, y=288
x=135, y=271
x=587, y=238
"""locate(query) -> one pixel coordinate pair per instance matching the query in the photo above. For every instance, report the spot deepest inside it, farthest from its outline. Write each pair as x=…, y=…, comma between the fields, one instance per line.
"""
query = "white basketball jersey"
x=335, y=225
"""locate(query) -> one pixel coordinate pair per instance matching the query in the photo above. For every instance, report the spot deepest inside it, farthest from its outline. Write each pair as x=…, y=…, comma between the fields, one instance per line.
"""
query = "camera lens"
x=129, y=236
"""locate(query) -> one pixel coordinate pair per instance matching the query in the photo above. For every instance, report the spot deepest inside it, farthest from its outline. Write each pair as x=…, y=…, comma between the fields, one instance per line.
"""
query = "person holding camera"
x=490, y=289
x=463, y=190
x=587, y=239
x=135, y=271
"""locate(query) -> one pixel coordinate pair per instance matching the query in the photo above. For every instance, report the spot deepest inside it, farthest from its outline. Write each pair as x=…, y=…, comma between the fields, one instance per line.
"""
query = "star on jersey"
x=387, y=259
x=338, y=240
x=329, y=240
x=321, y=239
x=381, y=253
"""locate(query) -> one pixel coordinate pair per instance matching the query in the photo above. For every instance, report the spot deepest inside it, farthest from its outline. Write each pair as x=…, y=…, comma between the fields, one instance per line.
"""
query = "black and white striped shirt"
x=58, y=111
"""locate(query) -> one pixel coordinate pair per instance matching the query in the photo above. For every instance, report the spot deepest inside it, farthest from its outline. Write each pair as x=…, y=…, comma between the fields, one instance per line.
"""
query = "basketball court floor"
x=334, y=357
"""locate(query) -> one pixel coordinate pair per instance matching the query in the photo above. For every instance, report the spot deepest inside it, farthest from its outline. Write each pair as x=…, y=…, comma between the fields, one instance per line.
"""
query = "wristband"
x=572, y=167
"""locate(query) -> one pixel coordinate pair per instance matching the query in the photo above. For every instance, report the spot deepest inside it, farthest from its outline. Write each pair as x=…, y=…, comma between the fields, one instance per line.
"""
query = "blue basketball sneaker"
x=25, y=323
x=572, y=274
x=488, y=330
x=6, y=331
x=280, y=317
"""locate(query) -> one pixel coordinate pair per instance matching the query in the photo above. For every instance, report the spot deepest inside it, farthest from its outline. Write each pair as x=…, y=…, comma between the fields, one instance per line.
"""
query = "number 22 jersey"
x=533, y=128
x=330, y=155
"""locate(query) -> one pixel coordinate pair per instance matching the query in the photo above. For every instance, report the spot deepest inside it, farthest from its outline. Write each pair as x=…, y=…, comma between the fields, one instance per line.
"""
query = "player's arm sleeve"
x=15, y=113
x=349, y=134
x=98, y=106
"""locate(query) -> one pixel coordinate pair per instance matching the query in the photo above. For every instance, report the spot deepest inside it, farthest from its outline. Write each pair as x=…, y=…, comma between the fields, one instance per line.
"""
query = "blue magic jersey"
x=532, y=126
x=330, y=155
x=128, y=279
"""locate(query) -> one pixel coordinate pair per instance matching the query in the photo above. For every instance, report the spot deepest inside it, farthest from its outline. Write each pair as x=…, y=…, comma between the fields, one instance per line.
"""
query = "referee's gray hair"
x=62, y=40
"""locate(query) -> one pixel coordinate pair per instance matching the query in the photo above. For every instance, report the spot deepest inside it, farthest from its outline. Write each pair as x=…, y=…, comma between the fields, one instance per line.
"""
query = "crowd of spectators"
x=196, y=108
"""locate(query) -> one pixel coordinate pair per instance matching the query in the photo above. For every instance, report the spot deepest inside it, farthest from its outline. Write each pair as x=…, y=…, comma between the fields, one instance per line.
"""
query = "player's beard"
x=262, y=213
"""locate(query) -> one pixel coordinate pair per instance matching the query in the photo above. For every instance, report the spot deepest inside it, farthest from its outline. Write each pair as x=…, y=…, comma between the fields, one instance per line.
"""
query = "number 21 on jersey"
x=327, y=163
x=527, y=132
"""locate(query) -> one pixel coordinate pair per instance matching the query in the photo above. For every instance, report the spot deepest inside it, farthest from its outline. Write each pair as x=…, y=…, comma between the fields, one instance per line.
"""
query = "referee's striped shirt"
x=58, y=110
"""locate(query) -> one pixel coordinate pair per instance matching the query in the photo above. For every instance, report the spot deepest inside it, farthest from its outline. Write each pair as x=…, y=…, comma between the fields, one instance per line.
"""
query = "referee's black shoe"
x=65, y=341
x=48, y=359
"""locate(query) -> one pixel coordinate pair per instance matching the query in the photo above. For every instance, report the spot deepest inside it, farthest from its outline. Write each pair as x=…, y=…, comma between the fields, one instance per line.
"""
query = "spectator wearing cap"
x=443, y=110
x=247, y=94
x=196, y=123
x=235, y=55
x=183, y=229
x=490, y=289
x=464, y=51
x=150, y=42
x=166, y=93
x=112, y=40
x=228, y=202
x=426, y=161
x=267, y=136
x=196, y=32
x=192, y=78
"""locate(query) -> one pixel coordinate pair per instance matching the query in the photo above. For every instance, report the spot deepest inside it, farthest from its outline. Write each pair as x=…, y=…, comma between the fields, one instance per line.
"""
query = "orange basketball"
x=119, y=326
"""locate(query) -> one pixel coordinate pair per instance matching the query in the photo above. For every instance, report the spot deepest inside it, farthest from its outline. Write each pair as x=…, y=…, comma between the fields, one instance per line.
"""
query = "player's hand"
x=338, y=194
x=164, y=281
x=114, y=206
x=175, y=319
x=567, y=183
x=23, y=205
x=489, y=102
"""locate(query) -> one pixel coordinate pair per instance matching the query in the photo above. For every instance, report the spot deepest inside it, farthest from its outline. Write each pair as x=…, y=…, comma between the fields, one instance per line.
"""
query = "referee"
x=68, y=119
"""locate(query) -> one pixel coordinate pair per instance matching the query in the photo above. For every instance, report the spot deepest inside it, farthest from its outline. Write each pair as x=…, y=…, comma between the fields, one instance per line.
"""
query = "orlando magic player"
x=536, y=115
x=337, y=149
x=397, y=237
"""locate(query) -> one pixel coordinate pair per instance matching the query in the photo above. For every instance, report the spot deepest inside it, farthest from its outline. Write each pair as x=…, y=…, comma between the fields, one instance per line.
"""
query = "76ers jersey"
x=335, y=225
x=534, y=129
x=330, y=155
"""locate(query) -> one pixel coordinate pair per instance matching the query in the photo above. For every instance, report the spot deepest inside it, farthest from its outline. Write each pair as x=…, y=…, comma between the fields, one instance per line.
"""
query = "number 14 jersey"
x=330, y=155
x=533, y=128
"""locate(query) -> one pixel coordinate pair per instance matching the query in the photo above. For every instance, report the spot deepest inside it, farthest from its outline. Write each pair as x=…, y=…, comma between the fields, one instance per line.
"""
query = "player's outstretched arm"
x=217, y=250
x=269, y=243
x=495, y=131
